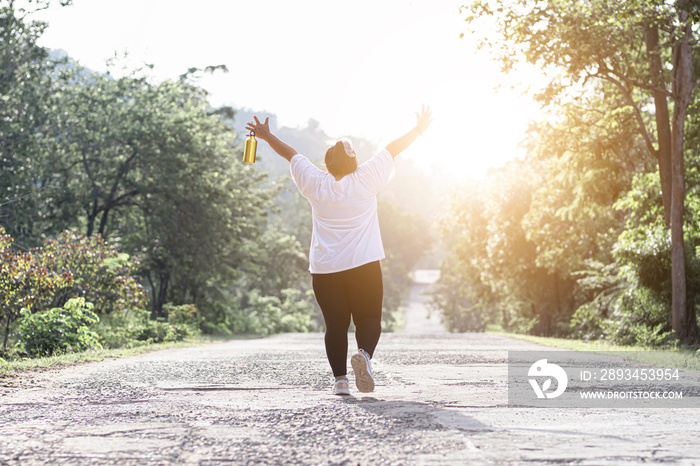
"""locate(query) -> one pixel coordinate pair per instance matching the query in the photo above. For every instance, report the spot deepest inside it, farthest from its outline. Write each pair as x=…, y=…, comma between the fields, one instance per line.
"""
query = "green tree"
x=157, y=168
x=492, y=273
x=642, y=50
x=202, y=211
x=638, y=311
x=277, y=262
x=26, y=88
x=464, y=301
x=589, y=158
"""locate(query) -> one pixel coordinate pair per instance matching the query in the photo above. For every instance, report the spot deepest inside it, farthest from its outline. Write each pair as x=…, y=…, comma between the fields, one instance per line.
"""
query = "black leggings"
x=358, y=293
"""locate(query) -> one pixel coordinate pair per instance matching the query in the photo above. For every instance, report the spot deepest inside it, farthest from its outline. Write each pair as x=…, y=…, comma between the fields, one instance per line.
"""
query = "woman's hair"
x=338, y=162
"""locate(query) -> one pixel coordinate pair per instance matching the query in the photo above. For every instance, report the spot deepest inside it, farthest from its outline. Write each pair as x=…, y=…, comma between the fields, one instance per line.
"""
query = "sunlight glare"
x=474, y=128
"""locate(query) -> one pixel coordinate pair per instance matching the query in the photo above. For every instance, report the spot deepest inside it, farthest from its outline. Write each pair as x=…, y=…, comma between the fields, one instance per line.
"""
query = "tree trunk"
x=103, y=223
x=92, y=215
x=7, y=332
x=682, y=316
x=663, y=126
x=90, y=228
x=161, y=296
x=154, y=295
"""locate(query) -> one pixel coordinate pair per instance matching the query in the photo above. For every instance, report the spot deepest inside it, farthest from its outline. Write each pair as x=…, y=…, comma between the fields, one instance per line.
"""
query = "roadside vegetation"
x=23, y=364
x=595, y=233
x=659, y=356
x=128, y=219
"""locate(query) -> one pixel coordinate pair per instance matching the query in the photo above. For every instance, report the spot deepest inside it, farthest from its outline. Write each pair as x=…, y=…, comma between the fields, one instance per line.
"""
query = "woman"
x=346, y=245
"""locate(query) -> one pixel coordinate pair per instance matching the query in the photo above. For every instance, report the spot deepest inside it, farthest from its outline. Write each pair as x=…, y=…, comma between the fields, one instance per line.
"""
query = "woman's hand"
x=261, y=130
x=402, y=143
x=423, y=119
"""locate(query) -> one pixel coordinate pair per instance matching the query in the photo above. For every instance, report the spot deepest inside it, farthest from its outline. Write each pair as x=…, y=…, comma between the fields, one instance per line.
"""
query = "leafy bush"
x=267, y=315
x=600, y=286
x=642, y=313
x=457, y=311
x=58, y=329
x=654, y=336
x=101, y=274
x=638, y=317
x=156, y=331
x=587, y=322
x=137, y=329
x=298, y=310
x=455, y=296
x=71, y=265
x=185, y=315
x=25, y=282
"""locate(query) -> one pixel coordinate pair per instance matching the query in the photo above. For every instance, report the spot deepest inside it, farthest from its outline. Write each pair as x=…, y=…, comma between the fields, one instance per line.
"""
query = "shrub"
x=44, y=279
x=639, y=318
x=137, y=329
x=101, y=274
x=156, y=331
x=267, y=315
x=25, y=282
x=298, y=310
x=186, y=315
x=58, y=329
x=642, y=313
x=600, y=287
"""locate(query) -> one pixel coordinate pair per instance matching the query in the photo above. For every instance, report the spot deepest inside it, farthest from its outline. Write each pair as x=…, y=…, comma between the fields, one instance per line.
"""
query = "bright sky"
x=361, y=67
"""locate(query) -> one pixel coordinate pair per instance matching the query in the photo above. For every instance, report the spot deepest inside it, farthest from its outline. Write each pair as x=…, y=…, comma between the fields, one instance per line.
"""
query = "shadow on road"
x=418, y=415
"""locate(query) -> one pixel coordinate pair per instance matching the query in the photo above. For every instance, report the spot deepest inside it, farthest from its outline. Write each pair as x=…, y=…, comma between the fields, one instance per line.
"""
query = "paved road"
x=440, y=399
x=417, y=317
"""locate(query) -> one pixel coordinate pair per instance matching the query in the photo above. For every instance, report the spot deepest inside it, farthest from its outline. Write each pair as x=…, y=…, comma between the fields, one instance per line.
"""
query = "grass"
x=9, y=368
x=571, y=344
x=660, y=357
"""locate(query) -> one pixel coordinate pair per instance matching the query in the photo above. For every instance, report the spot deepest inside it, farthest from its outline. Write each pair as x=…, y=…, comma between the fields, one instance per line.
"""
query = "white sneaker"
x=362, y=366
x=341, y=387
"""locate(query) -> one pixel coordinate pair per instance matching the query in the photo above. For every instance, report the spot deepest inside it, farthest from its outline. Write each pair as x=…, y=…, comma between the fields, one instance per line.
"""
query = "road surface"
x=440, y=399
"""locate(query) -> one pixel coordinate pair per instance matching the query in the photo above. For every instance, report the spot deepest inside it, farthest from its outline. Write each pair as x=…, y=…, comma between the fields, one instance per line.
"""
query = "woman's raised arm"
x=262, y=131
x=402, y=143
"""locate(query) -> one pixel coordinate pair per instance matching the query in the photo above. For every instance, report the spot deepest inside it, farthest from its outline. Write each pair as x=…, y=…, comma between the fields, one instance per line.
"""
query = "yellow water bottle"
x=250, y=146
